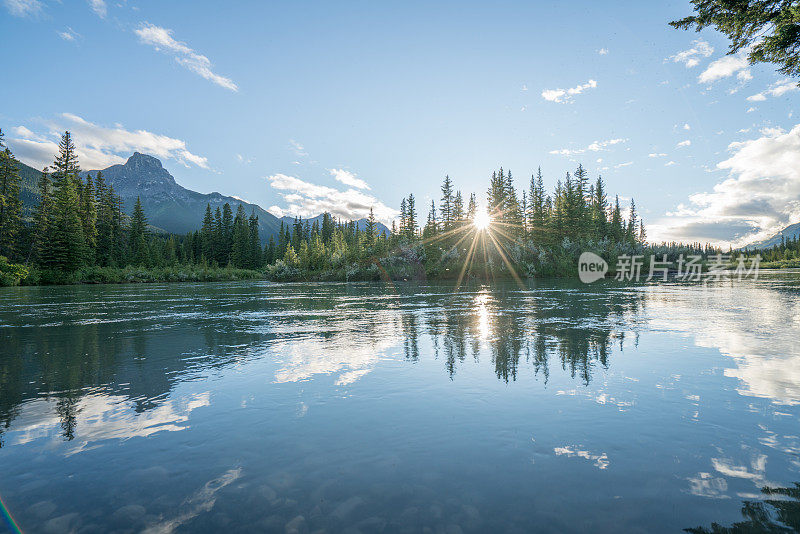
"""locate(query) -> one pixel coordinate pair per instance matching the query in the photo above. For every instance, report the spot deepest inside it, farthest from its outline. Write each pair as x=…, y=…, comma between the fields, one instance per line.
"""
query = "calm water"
x=372, y=408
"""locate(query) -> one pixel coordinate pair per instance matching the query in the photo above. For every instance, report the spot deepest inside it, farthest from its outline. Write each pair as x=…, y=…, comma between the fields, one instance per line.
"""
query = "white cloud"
x=776, y=89
x=97, y=146
x=670, y=163
x=691, y=57
x=687, y=127
x=566, y=95
x=69, y=34
x=656, y=155
x=23, y=8
x=99, y=7
x=725, y=67
x=348, y=178
x=684, y=143
x=626, y=164
x=161, y=39
x=309, y=200
x=297, y=148
x=596, y=146
x=603, y=51
x=760, y=196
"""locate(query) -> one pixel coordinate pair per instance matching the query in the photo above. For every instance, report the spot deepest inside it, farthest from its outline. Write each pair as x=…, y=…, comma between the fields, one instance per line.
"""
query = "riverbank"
x=127, y=275
x=386, y=270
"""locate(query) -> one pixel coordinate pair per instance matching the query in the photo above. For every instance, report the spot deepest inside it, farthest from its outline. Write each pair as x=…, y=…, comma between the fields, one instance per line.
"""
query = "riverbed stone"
x=344, y=509
x=297, y=525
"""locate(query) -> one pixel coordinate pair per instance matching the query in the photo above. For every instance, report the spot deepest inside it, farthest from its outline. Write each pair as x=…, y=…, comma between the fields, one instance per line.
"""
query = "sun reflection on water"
x=482, y=314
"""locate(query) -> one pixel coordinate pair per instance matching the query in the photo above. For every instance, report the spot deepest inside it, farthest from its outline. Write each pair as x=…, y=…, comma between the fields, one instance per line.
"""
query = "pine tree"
x=599, y=209
x=68, y=247
x=207, y=235
x=105, y=222
x=10, y=204
x=633, y=224
x=256, y=257
x=403, y=217
x=42, y=217
x=458, y=208
x=270, y=254
x=538, y=213
x=446, y=207
x=616, y=221
x=411, y=216
x=432, y=226
x=372, y=228
x=472, y=207
x=220, y=252
x=327, y=227
x=512, y=211
x=89, y=218
x=241, y=240
x=495, y=196
x=226, y=234
x=137, y=236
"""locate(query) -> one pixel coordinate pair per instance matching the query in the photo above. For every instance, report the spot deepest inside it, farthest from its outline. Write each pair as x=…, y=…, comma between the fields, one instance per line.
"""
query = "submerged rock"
x=297, y=525
x=346, y=508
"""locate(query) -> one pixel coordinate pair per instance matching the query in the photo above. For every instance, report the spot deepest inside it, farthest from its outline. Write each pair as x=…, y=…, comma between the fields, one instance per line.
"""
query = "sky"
x=303, y=107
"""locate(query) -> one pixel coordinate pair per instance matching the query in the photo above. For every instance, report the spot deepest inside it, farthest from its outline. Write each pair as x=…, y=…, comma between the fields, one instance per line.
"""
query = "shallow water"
x=557, y=407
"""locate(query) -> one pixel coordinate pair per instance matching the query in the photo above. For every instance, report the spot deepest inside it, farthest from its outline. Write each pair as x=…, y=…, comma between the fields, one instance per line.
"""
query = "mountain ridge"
x=791, y=231
x=167, y=204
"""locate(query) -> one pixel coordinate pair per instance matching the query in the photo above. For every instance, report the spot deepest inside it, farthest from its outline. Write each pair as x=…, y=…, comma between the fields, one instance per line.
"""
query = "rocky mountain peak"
x=143, y=162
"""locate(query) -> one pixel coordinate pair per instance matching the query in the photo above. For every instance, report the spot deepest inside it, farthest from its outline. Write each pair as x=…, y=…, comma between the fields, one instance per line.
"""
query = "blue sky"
x=307, y=106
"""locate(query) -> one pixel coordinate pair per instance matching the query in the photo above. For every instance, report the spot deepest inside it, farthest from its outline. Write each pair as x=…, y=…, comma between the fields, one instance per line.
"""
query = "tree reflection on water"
x=779, y=514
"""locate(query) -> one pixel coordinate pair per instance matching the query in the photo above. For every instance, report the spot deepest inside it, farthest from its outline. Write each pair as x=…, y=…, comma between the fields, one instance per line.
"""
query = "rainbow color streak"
x=9, y=519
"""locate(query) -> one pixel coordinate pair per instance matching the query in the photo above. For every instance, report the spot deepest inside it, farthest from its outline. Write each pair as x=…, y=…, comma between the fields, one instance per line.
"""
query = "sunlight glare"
x=481, y=220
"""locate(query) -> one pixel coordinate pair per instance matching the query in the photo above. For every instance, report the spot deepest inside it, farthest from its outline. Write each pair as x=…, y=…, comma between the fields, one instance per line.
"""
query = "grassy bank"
x=115, y=275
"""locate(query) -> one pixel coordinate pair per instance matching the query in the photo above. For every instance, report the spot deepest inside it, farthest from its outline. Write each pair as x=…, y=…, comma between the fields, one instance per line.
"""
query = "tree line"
x=79, y=222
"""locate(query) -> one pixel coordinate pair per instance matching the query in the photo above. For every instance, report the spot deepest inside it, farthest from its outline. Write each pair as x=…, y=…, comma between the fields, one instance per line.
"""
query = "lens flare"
x=481, y=220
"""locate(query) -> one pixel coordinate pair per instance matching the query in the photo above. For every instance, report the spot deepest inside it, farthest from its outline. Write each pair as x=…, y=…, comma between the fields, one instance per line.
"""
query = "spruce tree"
x=240, y=256
x=68, y=248
x=411, y=217
x=633, y=223
x=10, y=204
x=207, y=235
x=137, y=236
x=472, y=207
x=458, y=208
x=42, y=217
x=616, y=221
x=446, y=207
x=599, y=209
x=256, y=257
x=89, y=218
x=372, y=228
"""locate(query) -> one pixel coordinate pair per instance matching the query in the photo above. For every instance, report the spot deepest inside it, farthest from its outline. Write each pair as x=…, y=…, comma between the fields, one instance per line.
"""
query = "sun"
x=481, y=220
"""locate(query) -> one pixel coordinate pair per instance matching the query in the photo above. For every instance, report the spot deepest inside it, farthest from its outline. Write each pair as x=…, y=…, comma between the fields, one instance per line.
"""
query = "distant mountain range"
x=790, y=232
x=168, y=205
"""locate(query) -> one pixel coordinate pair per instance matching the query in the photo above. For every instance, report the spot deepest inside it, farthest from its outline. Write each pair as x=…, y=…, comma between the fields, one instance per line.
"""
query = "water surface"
x=555, y=407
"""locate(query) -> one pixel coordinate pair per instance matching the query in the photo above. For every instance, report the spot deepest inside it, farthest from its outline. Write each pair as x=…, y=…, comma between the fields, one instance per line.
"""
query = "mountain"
x=790, y=232
x=362, y=223
x=167, y=204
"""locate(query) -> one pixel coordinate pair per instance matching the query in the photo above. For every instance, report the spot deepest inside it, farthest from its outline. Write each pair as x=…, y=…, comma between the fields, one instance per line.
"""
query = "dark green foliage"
x=768, y=29
x=10, y=204
x=137, y=237
x=78, y=232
